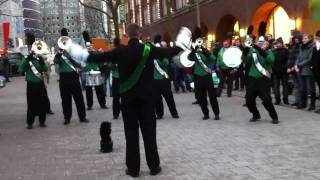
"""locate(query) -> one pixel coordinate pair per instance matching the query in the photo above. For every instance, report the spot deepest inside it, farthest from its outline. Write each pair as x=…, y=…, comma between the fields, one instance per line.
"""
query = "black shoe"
x=244, y=105
x=285, y=101
x=155, y=171
x=277, y=103
x=196, y=102
x=216, y=117
x=159, y=117
x=29, y=126
x=229, y=95
x=301, y=106
x=255, y=119
x=66, y=122
x=50, y=112
x=89, y=108
x=206, y=117
x=317, y=111
x=43, y=125
x=132, y=174
x=311, y=108
x=115, y=117
x=294, y=104
x=275, y=121
x=176, y=116
x=84, y=120
x=104, y=107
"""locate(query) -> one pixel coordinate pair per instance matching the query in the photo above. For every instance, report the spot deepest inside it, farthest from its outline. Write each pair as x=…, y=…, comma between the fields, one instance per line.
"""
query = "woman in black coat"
x=316, y=61
x=303, y=65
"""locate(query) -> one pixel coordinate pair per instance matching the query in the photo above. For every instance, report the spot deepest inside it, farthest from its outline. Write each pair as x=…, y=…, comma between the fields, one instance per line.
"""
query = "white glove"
x=184, y=38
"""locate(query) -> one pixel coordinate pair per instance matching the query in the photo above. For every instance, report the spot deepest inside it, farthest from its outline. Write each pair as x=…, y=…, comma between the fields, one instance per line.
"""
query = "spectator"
x=303, y=65
x=239, y=75
x=5, y=66
x=316, y=61
x=293, y=55
x=279, y=72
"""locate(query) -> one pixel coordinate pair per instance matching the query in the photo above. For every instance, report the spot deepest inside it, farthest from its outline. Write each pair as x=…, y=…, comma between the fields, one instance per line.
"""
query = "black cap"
x=64, y=32
x=157, y=39
x=86, y=36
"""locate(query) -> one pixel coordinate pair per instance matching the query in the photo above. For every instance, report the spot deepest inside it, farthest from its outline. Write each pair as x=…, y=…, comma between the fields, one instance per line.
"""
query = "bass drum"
x=232, y=57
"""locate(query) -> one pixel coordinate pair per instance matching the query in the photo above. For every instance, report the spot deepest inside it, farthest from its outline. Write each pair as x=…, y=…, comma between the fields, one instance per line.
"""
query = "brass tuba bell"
x=40, y=48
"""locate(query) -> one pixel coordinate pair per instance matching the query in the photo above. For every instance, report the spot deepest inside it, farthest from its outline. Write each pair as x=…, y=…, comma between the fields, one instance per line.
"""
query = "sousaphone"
x=77, y=52
x=40, y=48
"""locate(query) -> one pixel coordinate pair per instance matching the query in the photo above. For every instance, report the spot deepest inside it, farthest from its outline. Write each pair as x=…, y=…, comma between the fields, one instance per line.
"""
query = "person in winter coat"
x=303, y=66
x=279, y=70
x=316, y=61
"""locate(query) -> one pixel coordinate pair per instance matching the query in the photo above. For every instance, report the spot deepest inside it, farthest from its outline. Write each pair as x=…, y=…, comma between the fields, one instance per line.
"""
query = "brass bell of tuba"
x=77, y=52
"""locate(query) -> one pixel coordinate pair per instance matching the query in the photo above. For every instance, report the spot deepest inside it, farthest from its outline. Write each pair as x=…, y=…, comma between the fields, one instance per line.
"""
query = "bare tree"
x=112, y=6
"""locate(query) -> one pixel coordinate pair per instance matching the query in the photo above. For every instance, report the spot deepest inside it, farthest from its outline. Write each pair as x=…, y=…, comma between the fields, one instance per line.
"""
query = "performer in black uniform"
x=34, y=68
x=136, y=66
x=203, y=81
x=163, y=84
x=116, y=105
x=259, y=61
x=69, y=84
x=98, y=86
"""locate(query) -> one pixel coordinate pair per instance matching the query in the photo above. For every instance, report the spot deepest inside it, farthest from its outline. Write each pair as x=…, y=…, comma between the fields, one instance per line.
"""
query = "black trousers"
x=101, y=96
x=116, y=105
x=36, y=100
x=239, y=79
x=260, y=87
x=203, y=87
x=70, y=87
x=48, y=104
x=163, y=88
x=139, y=112
x=226, y=76
x=283, y=78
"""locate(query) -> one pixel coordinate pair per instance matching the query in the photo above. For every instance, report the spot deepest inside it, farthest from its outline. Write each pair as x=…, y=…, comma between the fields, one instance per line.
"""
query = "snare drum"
x=93, y=78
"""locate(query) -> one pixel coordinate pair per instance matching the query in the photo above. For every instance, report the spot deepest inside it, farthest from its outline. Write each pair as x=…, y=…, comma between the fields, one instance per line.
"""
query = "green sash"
x=133, y=79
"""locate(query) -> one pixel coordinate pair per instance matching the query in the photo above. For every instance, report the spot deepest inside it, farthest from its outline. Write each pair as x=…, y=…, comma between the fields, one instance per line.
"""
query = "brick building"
x=217, y=17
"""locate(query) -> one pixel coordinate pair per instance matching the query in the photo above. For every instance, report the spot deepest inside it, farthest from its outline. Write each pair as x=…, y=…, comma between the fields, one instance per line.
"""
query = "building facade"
x=32, y=17
x=55, y=15
x=218, y=17
x=11, y=11
x=94, y=20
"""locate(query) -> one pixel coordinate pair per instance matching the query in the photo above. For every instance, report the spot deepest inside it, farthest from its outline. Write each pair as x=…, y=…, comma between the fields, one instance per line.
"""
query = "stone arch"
x=225, y=25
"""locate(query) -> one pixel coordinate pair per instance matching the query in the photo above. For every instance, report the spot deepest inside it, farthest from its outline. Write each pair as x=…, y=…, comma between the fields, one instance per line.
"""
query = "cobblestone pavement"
x=230, y=149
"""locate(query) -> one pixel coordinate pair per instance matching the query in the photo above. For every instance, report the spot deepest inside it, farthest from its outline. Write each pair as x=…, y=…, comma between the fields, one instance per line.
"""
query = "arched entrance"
x=278, y=21
x=227, y=24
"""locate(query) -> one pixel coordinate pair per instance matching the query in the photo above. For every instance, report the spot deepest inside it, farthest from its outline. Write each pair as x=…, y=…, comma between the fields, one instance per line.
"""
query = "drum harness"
x=258, y=65
x=160, y=70
x=203, y=65
x=68, y=62
x=35, y=71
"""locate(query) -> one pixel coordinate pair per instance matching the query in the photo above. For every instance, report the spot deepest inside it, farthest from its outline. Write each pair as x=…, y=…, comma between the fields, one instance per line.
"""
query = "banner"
x=6, y=30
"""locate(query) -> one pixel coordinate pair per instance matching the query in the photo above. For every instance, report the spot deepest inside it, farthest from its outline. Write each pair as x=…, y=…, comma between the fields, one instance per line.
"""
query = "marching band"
x=140, y=78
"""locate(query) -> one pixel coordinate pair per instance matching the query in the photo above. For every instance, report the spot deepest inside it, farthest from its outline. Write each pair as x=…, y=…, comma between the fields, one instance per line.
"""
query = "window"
x=155, y=11
x=164, y=7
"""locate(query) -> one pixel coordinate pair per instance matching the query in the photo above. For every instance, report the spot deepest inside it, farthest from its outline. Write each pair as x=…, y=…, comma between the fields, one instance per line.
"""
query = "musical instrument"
x=184, y=41
x=2, y=81
x=232, y=57
x=77, y=52
x=40, y=48
x=93, y=78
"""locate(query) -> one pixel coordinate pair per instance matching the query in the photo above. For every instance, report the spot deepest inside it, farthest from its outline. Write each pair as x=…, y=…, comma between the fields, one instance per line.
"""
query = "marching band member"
x=163, y=84
x=116, y=104
x=203, y=81
x=34, y=69
x=259, y=62
x=92, y=66
x=136, y=67
x=69, y=84
x=226, y=73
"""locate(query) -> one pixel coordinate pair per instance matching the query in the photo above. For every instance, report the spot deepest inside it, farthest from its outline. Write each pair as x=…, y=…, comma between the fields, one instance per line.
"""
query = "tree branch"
x=95, y=8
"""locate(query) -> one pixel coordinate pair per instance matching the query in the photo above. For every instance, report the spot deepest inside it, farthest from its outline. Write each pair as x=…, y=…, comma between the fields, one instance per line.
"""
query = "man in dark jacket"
x=279, y=70
x=316, y=61
x=136, y=67
x=293, y=55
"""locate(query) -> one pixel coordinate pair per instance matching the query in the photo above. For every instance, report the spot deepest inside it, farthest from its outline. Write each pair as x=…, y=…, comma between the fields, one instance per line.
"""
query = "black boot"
x=106, y=143
x=312, y=102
